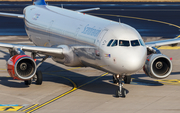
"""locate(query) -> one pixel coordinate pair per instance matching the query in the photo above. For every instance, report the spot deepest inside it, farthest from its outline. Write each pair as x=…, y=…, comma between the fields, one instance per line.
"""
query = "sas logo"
x=36, y=16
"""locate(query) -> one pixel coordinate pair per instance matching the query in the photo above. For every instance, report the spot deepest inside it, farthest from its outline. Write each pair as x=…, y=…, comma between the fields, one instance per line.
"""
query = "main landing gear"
x=118, y=79
x=38, y=76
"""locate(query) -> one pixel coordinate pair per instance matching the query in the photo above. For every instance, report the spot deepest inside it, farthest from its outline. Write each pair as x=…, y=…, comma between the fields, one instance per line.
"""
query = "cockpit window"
x=115, y=43
x=141, y=42
x=123, y=43
x=135, y=43
x=110, y=42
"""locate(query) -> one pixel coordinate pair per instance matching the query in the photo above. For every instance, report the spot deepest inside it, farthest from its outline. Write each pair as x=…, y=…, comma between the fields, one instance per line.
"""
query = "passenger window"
x=115, y=43
x=123, y=43
x=110, y=42
x=141, y=42
x=135, y=43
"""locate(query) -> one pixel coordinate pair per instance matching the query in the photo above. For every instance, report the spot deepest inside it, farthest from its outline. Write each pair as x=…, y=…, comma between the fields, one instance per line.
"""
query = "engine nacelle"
x=158, y=66
x=21, y=67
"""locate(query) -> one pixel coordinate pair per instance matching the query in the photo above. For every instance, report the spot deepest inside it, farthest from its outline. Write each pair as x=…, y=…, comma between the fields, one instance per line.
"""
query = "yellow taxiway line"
x=170, y=82
x=30, y=107
x=138, y=19
x=74, y=88
x=169, y=47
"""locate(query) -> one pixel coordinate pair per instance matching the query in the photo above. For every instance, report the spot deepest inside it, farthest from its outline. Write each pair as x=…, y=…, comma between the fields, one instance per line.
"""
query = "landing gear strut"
x=118, y=79
x=121, y=92
x=115, y=79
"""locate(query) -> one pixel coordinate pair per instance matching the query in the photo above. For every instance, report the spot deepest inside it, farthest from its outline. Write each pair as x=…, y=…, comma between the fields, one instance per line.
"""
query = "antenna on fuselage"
x=119, y=21
x=62, y=6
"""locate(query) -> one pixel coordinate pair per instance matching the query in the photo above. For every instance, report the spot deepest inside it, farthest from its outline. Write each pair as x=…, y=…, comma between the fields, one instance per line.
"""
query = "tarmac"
x=86, y=90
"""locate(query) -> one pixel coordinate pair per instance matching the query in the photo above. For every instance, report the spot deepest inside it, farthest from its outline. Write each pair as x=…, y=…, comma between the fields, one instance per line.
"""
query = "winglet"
x=39, y=2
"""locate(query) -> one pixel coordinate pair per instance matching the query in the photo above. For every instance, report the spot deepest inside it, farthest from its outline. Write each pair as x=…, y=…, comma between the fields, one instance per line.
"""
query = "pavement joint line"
x=68, y=92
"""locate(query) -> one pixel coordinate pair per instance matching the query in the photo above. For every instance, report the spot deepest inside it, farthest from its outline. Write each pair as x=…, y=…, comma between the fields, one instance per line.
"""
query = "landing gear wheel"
x=127, y=79
x=121, y=92
x=28, y=82
x=118, y=94
x=38, y=78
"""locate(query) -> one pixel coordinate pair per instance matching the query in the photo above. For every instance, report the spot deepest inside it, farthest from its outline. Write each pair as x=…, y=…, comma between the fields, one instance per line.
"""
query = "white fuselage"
x=88, y=37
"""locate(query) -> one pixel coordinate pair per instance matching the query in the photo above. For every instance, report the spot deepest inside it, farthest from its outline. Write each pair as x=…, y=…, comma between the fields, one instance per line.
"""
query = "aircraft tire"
x=28, y=82
x=39, y=78
x=118, y=94
x=127, y=79
x=123, y=92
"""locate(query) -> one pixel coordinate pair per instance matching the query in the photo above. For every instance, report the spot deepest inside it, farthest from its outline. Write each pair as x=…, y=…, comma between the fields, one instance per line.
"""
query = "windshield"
x=110, y=42
x=135, y=43
x=115, y=43
x=123, y=43
x=141, y=42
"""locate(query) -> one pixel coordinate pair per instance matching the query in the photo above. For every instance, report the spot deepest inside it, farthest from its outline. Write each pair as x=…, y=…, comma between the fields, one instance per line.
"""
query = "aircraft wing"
x=162, y=42
x=12, y=15
x=86, y=10
x=52, y=51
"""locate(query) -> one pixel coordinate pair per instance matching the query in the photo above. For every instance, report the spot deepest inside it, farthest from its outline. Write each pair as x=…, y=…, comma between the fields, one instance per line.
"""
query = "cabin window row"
x=126, y=43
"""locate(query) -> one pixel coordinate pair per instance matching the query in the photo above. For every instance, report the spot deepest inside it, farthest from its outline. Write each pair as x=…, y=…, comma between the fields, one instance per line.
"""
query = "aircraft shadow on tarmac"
x=98, y=86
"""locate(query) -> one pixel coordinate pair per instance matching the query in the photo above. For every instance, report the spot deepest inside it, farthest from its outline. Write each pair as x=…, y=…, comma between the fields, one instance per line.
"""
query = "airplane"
x=77, y=39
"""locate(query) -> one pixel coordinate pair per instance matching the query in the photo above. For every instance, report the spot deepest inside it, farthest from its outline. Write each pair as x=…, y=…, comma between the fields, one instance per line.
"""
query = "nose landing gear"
x=118, y=79
x=121, y=92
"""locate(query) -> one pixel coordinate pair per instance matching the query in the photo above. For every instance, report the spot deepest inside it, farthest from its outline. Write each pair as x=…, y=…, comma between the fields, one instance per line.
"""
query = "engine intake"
x=21, y=67
x=158, y=66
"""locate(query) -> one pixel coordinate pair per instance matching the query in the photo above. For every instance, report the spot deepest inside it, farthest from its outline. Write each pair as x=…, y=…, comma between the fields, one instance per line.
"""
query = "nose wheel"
x=118, y=79
x=121, y=92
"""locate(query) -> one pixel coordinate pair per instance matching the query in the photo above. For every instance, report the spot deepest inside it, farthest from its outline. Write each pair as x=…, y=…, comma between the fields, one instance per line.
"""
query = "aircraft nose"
x=133, y=60
x=133, y=63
